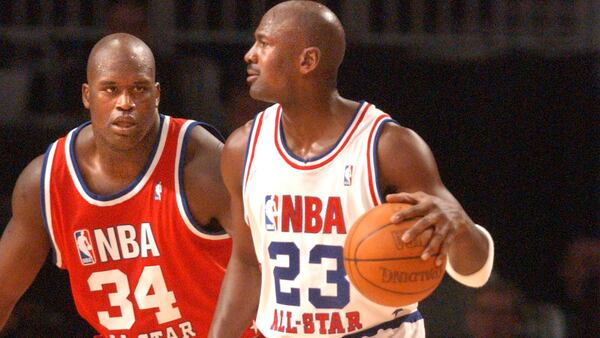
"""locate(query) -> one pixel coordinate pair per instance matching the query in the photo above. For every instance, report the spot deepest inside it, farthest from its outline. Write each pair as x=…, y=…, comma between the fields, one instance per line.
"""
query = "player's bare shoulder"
x=201, y=160
x=28, y=184
x=203, y=186
x=26, y=195
x=202, y=145
x=232, y=162
x=403, y=158
x=394, y=135
x=238, y=139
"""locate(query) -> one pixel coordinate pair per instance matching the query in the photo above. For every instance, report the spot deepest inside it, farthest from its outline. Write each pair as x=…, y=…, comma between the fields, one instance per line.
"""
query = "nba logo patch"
x=157, y=191
x=84, y=247
x=271, y=213
x=348, y=170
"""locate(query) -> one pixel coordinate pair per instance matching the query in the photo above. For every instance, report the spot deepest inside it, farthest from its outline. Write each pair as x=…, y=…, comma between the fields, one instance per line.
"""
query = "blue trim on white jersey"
x=184, y=201
x=331, y=149
x=127, y=189
x=374, y=152
x=248, y=149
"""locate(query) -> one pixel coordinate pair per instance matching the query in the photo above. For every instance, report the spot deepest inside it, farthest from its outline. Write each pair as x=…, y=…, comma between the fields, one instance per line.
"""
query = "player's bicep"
x=24, y=244
x=243, y=247
x=203, y=187
x=406, y=163
x=232, y=160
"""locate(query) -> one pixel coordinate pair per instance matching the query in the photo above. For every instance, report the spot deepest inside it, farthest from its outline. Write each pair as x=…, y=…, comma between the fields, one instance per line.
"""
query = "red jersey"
x=138, y=264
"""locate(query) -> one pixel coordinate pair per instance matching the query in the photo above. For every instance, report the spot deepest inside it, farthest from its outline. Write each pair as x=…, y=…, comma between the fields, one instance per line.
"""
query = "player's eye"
x=139, y=89
x=110, y=89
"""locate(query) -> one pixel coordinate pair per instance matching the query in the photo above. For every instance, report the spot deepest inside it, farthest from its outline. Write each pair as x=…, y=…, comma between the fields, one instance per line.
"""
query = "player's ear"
x=309, y=59
x=85, y=95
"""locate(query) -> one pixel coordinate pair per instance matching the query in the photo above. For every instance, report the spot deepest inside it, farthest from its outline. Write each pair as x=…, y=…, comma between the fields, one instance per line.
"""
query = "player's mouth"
x=252, y=75
x=123, y=125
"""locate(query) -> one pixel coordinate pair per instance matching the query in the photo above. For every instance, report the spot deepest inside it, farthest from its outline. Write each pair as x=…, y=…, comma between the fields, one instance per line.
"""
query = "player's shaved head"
x=315, y=26
x=120, y=48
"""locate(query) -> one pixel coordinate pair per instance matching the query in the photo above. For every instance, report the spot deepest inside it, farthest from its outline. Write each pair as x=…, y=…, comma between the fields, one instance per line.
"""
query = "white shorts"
x=409, y=326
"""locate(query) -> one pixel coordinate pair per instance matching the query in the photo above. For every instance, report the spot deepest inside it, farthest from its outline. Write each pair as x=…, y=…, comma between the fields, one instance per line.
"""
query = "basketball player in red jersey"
x=131, y=204
x=303, y=171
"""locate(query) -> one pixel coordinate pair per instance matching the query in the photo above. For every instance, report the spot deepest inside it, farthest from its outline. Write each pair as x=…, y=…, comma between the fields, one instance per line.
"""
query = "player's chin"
x=260, y=95
x=125, y=142
x=254, y=91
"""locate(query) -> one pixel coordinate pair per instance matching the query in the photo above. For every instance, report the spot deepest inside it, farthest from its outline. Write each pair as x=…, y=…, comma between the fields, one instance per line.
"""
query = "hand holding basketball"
x=382, y=266
x=445, y=216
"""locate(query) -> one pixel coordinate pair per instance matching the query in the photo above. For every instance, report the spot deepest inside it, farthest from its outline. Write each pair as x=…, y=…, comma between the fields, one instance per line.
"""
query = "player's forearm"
x=238, y=300
x=471, y=258
x=469, y=251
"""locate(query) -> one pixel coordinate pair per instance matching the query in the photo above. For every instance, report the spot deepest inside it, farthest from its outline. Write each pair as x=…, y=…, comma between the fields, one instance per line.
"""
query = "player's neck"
x=123, y=163
x=132, y=156
x=312, y=127
x=107, y=170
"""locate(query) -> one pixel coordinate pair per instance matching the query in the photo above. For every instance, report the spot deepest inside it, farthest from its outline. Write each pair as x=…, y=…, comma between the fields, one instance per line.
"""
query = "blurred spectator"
x=239, y=106
x=16, y=73
x=580, y=272
x=128, y=16
x=500, y=310
x=544, y=320
x=496, y=310
x=31, y=319
x=445, y=320
x=14, y=86
x=189, y=83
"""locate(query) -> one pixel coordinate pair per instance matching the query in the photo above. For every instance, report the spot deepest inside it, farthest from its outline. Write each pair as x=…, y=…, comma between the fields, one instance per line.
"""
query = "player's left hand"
x=446, y=218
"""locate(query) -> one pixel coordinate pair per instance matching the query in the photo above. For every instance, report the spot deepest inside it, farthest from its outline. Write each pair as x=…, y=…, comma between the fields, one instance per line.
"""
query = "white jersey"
x=299, y=213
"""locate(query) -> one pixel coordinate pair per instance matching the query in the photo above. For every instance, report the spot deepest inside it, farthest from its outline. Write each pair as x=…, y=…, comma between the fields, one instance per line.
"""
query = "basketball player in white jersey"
x=299, y=176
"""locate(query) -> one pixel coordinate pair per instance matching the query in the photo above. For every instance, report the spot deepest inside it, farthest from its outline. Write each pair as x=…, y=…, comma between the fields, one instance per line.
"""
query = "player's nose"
x=250, y=56
x=125, y=101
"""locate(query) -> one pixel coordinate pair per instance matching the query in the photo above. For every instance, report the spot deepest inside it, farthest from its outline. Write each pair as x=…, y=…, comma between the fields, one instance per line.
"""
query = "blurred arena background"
x=506, y=93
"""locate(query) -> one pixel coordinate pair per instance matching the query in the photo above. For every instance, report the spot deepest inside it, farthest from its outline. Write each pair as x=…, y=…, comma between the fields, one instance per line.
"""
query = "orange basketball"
x=384, y=268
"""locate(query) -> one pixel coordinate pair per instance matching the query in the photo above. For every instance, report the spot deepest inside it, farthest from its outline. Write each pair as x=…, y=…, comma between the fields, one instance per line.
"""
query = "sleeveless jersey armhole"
x=375, y=190
x=182, y=203
x=45, y=204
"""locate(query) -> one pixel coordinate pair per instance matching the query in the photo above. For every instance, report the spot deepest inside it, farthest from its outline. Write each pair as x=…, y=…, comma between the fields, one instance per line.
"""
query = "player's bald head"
x=314, y=25
x=120, y=48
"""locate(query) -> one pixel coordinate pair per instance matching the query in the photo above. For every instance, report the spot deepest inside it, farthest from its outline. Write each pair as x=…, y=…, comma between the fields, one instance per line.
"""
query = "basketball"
x=382, y=267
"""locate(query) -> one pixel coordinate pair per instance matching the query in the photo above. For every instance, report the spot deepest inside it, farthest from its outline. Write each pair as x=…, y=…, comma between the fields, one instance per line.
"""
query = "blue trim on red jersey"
x=43, y=201
x=211, y=129
x=132, y=185
x=184, y=201
x=392, y=324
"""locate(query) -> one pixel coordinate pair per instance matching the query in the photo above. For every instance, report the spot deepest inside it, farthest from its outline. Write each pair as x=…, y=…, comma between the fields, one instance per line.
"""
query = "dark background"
x=515, y=136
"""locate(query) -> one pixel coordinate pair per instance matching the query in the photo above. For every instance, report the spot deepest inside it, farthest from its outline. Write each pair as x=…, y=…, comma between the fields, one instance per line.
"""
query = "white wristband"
x=478, y=278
